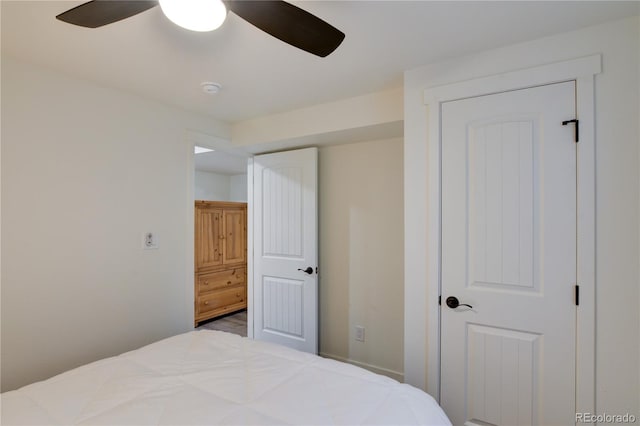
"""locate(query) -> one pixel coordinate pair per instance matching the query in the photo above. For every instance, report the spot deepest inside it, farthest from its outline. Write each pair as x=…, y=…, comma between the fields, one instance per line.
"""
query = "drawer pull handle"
x=237, y=294
x=228, y=282
x=206, y=282
x=206, y=303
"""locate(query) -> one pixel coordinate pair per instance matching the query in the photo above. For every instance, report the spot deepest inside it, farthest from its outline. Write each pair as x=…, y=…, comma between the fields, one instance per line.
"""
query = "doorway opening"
x=220, y=239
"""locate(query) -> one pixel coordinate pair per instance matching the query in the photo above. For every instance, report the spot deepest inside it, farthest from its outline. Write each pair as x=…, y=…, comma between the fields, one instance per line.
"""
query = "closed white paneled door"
x=285, y=280
x=509, y=251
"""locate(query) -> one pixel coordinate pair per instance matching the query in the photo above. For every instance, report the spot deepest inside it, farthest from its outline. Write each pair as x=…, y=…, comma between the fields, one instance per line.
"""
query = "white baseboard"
x=396, y=375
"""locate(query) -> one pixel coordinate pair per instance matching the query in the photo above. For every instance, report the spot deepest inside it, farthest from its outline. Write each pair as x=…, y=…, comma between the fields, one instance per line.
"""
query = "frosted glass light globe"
x=195, y=15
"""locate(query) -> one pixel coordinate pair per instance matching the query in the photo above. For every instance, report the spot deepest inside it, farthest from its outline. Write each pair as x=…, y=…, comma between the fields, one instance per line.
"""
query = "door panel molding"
x=582, y=71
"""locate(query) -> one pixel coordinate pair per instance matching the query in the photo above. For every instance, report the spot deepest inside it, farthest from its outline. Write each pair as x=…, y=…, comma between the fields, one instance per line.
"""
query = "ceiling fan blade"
x=97, y=13
x=290, y=24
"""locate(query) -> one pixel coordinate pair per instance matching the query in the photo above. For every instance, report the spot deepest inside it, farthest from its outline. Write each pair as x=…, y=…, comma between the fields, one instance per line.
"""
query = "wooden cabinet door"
x=209, y=237
x=235, y=236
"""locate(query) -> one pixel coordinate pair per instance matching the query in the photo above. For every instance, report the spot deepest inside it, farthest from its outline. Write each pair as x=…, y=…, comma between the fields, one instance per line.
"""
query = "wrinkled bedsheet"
x=212, y=377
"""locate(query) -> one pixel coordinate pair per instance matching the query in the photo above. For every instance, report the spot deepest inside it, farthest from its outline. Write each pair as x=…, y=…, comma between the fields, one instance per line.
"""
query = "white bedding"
x=211, y=377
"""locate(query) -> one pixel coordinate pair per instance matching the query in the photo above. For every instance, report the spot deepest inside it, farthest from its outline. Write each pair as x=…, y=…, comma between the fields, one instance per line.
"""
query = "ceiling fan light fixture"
x=195, y=15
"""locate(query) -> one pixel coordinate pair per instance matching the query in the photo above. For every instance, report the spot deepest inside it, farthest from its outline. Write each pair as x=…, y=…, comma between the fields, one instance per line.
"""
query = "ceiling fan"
x=278, y=18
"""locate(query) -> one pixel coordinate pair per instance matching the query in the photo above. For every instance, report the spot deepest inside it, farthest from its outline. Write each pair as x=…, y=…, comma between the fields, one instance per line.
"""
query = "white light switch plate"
x=150, y=241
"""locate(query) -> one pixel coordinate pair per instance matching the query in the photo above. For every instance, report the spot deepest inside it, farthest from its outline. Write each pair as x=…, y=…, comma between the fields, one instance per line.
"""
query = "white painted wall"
x=617, y=187
x=86, y=171
x=361, y=254
x=219, y=187
x=638, y=132
x=238, y=188
x=0, y=210
x=212, y=186
x=369, y=110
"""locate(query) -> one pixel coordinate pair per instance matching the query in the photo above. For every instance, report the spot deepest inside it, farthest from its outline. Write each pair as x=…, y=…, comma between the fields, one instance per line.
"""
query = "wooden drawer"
x=217, y=280
x=222, y=300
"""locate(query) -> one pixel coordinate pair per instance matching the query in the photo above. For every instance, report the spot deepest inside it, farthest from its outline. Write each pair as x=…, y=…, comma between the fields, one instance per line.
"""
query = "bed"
x=213, y=377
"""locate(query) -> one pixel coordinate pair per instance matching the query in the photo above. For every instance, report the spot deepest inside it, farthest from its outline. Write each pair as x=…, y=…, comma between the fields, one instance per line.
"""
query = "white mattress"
x=211, y=377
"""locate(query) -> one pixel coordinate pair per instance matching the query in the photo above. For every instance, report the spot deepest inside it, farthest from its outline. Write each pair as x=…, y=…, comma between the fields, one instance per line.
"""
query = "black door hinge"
x=577, y=122
x=577, y=294
x=439, y=300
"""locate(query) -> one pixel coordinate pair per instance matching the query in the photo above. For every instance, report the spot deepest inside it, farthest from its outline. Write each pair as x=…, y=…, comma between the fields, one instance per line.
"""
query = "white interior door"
x=509, y=251
x=285, y=249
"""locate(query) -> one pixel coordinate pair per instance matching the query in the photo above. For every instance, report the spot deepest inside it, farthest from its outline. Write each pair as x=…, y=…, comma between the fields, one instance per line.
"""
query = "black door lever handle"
x=309, y=270
x=453, y=303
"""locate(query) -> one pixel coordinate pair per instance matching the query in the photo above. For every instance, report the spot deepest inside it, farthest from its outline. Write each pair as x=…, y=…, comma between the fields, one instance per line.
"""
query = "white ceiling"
x=221, y=162
x=150, y=56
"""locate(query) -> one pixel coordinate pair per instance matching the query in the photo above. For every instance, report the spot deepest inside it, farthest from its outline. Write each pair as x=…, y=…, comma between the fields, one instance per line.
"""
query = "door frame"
x=582, y=71
x=250, y=266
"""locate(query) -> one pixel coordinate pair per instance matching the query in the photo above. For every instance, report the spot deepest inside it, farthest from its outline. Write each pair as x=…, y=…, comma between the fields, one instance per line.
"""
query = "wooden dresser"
x=220, y=258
